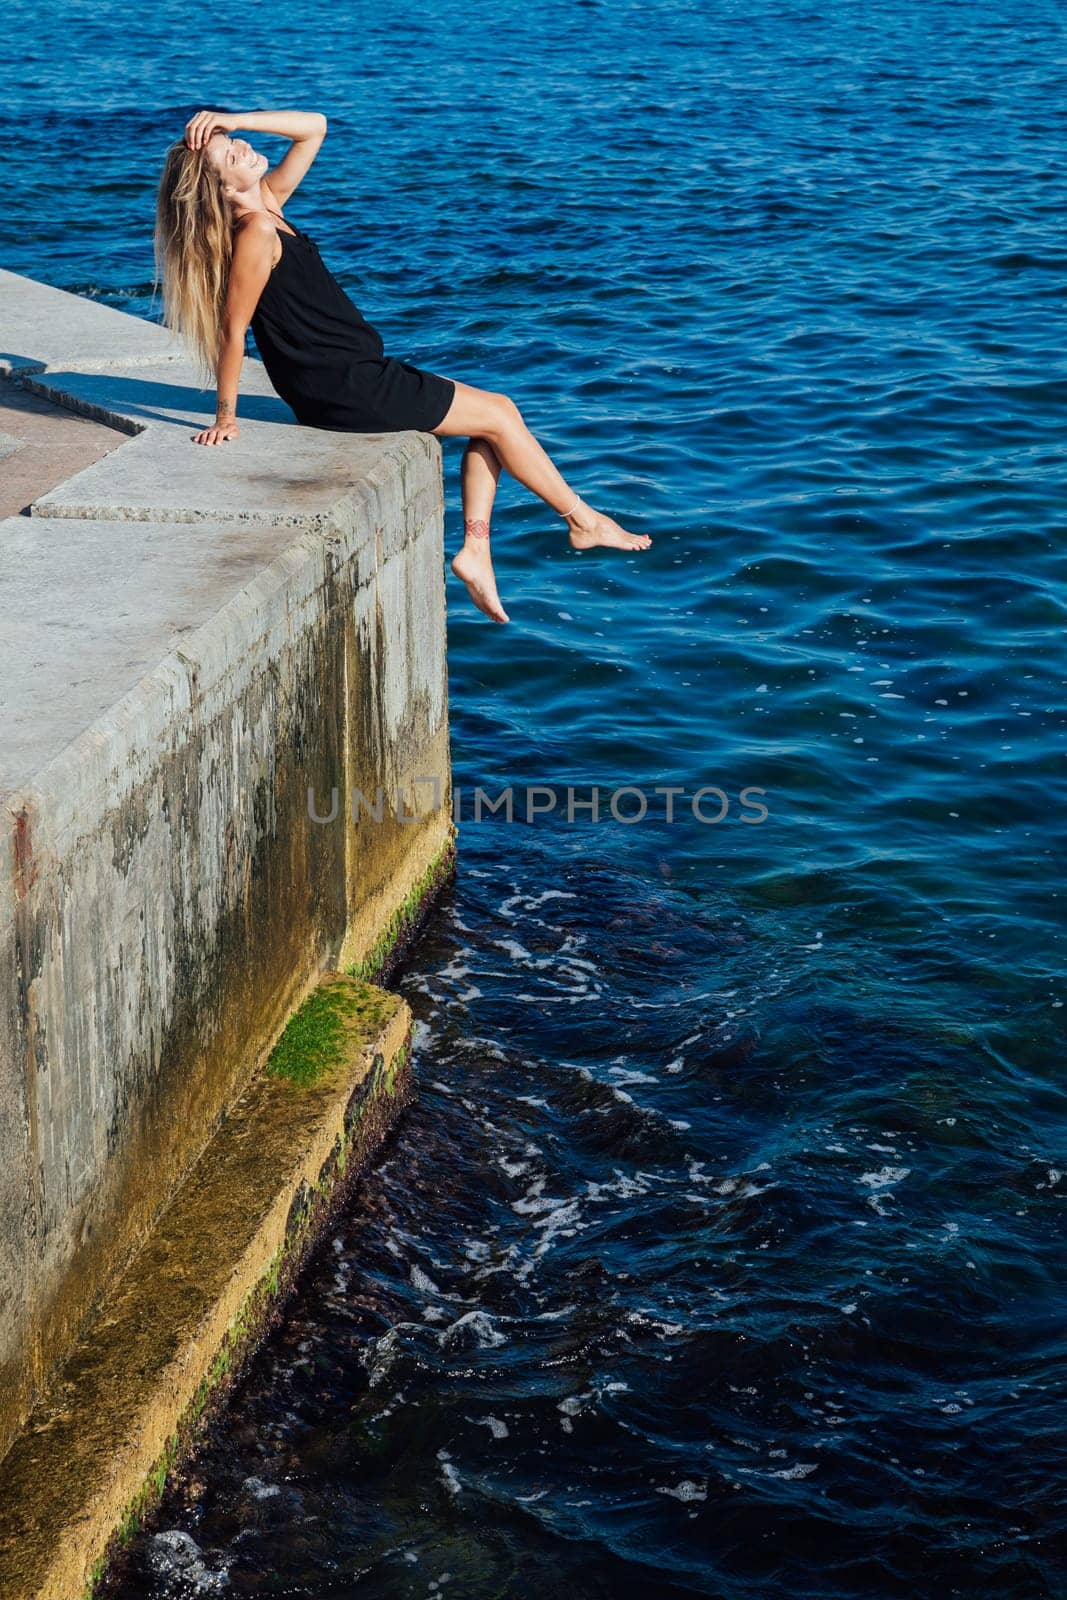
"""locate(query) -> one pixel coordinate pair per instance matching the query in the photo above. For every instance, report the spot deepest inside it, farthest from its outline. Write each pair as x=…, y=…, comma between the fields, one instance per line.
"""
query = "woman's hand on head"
x=218, y=434
x=198, y=129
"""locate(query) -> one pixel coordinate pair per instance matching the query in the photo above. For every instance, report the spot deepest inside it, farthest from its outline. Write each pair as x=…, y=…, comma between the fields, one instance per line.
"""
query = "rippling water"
x=718, y=1253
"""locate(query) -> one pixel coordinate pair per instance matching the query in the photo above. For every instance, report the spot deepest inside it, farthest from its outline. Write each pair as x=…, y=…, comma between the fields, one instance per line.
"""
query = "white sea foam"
x=175, y=1555
x=478, y=1323
x=449, y=1476
x=552, y=999
x=885, y=1177
x=632, y=1075
x=646, y=1319
x=686, y=1490
x=531, y=902
x=484, y=1047
x=380, y=1354
x=578, y=961
x=513, y=1169
x=555, y=1225
x=519, y=952
x=498, y=1428
x=534, y=1202
x=260, y=1490
x=624, y=1186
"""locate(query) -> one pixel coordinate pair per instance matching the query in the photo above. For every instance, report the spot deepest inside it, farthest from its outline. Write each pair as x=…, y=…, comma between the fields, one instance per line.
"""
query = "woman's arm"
x=287, y=124
x=250, y=267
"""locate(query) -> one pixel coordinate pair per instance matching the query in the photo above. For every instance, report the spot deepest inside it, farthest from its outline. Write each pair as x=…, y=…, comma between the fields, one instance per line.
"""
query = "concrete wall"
x=192, y=637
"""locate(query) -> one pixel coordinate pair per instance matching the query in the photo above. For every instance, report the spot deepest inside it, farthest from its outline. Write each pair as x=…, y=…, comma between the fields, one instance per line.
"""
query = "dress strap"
x=270, y=213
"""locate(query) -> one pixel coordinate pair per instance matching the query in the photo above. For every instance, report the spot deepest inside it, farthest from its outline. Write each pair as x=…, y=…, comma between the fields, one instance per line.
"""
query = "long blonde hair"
x=193, y=248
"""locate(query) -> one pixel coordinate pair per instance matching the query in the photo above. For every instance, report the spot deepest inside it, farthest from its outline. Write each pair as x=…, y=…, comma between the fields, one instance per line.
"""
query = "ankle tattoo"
x=477, y=528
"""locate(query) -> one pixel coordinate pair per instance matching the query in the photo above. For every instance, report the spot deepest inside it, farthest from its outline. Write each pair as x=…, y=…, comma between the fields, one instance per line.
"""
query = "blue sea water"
x=720, y=1253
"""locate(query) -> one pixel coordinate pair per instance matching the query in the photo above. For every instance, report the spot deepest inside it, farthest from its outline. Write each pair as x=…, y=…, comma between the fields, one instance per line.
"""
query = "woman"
x=229, y=259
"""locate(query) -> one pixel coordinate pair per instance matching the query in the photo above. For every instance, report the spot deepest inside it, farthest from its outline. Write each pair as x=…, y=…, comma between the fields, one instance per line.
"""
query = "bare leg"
x=479, y=472
x=494, y=419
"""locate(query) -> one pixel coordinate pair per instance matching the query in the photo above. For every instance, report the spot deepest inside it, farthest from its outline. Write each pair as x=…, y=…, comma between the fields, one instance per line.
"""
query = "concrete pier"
x=210, y=657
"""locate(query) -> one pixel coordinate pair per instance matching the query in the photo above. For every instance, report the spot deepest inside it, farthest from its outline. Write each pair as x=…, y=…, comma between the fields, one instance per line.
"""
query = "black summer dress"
x=326, y=362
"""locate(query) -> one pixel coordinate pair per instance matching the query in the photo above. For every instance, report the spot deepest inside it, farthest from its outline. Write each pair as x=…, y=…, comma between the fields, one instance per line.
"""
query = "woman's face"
x=239, y=166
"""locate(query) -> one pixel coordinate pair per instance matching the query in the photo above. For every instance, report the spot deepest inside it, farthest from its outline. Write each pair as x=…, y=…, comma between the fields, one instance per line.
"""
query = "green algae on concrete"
x=317, y=1035
x=199, y=1298
x=405, y=922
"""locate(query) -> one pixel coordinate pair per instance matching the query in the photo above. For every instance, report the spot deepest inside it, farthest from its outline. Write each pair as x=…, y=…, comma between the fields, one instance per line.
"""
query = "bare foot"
x=474, y=565
x=589, y=528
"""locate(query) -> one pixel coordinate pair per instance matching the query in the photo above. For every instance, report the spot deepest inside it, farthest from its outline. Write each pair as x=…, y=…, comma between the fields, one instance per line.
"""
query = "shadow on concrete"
x=149, y=399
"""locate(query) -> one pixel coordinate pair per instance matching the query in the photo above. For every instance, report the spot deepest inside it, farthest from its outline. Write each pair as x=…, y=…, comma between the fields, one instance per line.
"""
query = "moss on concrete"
x=317, y=1035
x=398, y=934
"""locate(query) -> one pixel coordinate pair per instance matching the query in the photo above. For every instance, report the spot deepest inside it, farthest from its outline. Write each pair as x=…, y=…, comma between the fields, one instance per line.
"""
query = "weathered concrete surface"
x=196, y=1299
x=41, y=327
x=92, y=607
x=51, y=444
x=199, y=639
